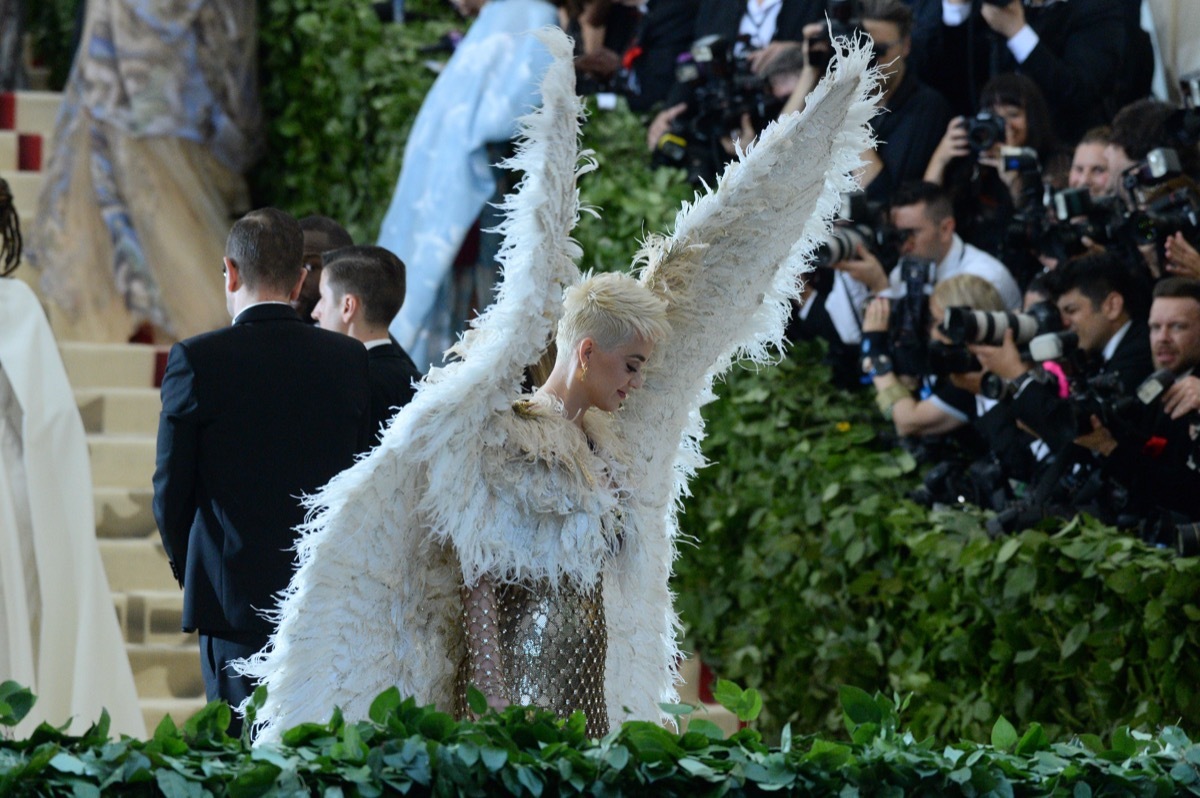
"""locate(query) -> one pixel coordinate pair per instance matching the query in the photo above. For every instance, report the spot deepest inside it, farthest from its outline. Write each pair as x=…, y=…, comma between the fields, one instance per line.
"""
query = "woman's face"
x=612, y=374
x=1016, y=126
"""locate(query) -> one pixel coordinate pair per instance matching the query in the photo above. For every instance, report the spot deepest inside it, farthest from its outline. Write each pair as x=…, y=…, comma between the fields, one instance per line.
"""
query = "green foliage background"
x=810, y=569
x=813, y=570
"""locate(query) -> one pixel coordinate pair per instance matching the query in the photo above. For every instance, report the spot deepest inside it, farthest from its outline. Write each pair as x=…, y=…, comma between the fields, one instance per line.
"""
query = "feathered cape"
x=461, y=484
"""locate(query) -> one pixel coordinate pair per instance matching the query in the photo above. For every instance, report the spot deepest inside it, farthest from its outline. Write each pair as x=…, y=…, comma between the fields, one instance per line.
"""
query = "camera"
x=862, y=222
x=963, y=325
x=723, y=90
x=984, y=131
x=909, y=326
x=844, y=18
x=946, y=359
x=1022, y=160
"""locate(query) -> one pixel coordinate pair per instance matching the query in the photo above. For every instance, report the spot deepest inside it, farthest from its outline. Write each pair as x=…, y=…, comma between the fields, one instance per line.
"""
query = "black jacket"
x=392, y=375
x=1053, y=419
x=1076, y=63
x=254, y=416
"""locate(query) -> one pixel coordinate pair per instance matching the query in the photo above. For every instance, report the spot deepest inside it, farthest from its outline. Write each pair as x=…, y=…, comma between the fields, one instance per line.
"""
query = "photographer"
x=768, y=24
x=997, y=198
x=910, y=113
x=923, y=220
x=948, y=401
x=1100, y=310
x=1154, y=459
x=1073, y=49
x=1089, y=163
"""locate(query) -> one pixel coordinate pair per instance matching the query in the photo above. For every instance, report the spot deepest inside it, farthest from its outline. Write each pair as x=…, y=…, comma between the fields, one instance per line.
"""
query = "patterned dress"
x=159, y=120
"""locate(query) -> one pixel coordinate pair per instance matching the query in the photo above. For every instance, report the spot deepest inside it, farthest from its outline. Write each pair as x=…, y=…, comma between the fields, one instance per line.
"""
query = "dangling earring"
x=583, y=373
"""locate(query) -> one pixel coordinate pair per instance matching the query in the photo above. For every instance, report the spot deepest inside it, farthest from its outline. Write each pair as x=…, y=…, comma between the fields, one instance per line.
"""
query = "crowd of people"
x=1018, y=281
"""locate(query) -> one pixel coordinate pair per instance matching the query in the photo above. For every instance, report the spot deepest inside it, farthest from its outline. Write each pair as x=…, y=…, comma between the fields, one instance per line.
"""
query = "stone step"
x=166, y=671
x=8, y=150
x=124, y=512
x=122, y=461
x=36, y=111
x=110, y=365
x=154, y=617
x=180, y=709
x=26, y=188
x=136, y=565
x=120, y=411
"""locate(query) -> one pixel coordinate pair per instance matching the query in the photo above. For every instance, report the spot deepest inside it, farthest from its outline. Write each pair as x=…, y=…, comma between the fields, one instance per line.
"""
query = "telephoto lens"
x=1053, y=346
x=965, y=326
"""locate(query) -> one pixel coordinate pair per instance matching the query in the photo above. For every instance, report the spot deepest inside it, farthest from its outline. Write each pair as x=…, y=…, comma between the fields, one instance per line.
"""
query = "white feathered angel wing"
x=371, y=603
x=736, y=259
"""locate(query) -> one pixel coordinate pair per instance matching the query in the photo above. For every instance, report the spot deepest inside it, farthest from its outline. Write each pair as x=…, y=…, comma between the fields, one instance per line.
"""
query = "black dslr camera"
x=844, y=18
x=723, y=90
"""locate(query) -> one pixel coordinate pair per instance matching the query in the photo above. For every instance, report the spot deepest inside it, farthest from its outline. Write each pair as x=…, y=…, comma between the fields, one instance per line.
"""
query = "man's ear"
x=349, y=307
x=1113, y=306
x=233, y=278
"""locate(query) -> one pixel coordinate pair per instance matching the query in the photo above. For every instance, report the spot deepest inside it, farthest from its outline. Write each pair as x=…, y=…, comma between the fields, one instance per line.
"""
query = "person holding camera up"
x=1105, y=336
x=945, y=402
x=910, y=113
x=922, y=218
x=1073, y=49
x=1155, y=459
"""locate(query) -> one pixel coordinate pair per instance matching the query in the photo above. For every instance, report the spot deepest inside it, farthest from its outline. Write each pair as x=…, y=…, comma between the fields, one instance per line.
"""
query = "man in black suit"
x=1101, y=304
x=254, y=416
x=361, y=291
x=1074, y=50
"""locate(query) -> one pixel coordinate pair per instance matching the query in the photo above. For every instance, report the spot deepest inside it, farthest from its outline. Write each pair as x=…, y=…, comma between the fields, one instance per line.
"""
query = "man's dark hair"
x=1142, y=126
x=894, y=11
x=267, y=246
x=937, y=201
x=1096, y=276
x=1177, y=288
x=335, y=235
x=373, y=274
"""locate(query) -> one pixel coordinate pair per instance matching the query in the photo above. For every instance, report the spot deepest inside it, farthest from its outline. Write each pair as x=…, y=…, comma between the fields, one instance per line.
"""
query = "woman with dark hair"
x=986, y=190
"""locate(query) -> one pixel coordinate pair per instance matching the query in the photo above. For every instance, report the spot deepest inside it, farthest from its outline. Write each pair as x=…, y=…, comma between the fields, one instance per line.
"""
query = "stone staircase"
x=115, y=389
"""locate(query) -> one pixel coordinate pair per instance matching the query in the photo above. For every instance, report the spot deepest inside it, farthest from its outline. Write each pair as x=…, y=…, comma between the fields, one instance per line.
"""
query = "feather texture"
x=463, y=485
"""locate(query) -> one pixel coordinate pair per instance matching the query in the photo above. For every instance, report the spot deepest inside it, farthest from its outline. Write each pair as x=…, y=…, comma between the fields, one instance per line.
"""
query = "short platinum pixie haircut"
x=610, y=309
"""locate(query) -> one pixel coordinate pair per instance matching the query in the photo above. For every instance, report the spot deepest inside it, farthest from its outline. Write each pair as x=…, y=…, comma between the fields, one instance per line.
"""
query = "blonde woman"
x=522, y=543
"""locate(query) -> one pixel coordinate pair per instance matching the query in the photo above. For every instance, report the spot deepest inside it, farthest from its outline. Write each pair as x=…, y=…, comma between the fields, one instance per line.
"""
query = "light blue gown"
x=490, y=81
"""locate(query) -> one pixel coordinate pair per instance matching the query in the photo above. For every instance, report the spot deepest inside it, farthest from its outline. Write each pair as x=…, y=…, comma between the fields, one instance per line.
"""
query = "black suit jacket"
x=724, y=17
x=254, y=416
x=393, y=375
x=1052, y=418
x=1076, y=63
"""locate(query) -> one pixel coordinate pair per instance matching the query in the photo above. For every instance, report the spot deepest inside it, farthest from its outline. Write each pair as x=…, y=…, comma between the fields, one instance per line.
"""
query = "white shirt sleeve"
x=953, y=14
x=1022, y=44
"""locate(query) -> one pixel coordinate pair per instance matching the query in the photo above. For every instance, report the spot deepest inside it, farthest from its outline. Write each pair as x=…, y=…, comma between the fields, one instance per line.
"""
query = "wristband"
x=876, y=359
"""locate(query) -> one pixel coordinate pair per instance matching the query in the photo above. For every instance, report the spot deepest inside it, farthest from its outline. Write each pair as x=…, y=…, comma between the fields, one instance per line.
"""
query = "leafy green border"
x=409, y=750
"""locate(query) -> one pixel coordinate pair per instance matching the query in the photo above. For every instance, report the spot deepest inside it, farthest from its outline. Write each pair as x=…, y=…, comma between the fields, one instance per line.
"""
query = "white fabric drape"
x=58, y=631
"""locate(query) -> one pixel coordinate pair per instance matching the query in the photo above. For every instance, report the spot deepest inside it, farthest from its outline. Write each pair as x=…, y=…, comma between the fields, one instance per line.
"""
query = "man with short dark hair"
x=321, y=235
x=923, y=217
x=361, y=291
x=254, y=416
x=1154, y=459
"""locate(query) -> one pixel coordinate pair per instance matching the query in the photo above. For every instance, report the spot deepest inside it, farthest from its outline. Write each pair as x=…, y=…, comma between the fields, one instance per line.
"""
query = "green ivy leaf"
x=476, y=700
x=727, y=694
x=749, y=705
x=1004, y=735
x=386, y=704
x=15, y=703
x=858, y=706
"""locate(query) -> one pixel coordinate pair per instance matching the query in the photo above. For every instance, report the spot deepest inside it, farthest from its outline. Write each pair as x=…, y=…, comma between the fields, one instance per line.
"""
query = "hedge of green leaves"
x=409, y=750
x=812, y=570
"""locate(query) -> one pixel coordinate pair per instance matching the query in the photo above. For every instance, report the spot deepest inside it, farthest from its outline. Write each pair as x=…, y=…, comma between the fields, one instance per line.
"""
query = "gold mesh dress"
x=536, y=645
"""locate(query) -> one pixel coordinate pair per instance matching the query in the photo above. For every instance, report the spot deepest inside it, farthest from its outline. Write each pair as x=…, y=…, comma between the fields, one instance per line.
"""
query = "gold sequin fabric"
x=551, y=646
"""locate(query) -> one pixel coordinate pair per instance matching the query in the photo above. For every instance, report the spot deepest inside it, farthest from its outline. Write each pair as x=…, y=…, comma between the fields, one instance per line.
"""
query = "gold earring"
x=583, y=373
